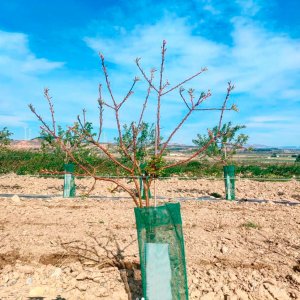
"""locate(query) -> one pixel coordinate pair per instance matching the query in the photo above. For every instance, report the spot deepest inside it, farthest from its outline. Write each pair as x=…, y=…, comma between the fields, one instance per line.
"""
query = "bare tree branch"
x=49, y=100
x=229, y=89
x=184, y=81
x=182, y=121
x=137, y=61
x=100, y=102
x=130, y=92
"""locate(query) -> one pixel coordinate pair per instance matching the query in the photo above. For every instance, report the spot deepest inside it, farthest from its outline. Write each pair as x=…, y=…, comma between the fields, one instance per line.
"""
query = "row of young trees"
x=220, y=151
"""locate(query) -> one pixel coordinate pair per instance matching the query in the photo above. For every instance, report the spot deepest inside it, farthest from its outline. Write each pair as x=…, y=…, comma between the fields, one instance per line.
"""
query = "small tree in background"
x=145, y=141
x=226, y=145
x=5, y=137
x=222, y=150
x=72, y=140
x=130, y=138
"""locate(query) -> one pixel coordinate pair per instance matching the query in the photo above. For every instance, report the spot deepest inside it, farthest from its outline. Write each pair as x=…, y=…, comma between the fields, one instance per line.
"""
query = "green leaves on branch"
x=227, y=141
x=75, y=139
x=140, y=140
x=154, y=166
x=5, y=137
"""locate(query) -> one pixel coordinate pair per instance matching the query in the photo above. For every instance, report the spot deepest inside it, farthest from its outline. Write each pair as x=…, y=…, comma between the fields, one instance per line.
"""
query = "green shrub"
x=30, y=162
x=250, y=225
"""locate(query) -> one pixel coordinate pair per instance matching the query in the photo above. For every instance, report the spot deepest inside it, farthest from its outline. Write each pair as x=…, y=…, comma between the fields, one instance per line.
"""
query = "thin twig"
x=100, y=102
x=137, y=61
x=182, y=121
x=49, y=100
x=184, y=81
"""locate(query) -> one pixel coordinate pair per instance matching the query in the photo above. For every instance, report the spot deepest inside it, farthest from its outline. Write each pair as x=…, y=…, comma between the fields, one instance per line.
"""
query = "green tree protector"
x=162, y=254
x=69, y=181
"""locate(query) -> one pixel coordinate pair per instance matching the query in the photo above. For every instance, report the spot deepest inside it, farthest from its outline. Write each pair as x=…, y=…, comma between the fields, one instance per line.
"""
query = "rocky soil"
x=86, y=248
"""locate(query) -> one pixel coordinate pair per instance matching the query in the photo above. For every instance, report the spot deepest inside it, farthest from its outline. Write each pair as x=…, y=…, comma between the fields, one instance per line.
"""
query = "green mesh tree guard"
x=69, y=181
x=161, y=248
x=229, y=178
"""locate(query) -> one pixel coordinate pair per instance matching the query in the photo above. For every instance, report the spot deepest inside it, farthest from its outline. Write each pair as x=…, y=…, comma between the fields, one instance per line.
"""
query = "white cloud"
x=269, y=119
x=270, y=126
x=212, y=9
x=266, y=64
x=12, y=121
x=263, y=65
x=249, y=7
x=16, y=59
x=13, y=43
x=274, y=129
x=20, y=81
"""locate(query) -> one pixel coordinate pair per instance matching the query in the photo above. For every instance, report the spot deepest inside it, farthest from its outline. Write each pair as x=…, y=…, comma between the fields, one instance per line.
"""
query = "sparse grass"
x=83, y=196
x=251, y=225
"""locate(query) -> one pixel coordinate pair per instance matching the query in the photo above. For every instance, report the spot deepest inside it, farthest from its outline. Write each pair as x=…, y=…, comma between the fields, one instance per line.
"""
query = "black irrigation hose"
x=205, y=198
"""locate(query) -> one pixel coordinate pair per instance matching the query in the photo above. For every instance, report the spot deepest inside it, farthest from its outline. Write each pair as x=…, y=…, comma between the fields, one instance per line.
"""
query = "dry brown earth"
x=169, y=188
x=86, y=248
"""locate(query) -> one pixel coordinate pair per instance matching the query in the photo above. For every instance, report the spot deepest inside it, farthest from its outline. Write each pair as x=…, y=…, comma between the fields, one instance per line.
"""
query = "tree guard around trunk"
x=161, y=248
x=229, y=178
x=69, y=181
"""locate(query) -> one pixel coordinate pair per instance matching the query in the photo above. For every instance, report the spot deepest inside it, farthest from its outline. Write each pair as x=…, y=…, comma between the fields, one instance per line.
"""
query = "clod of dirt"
x=16, y=199
x=9, y=258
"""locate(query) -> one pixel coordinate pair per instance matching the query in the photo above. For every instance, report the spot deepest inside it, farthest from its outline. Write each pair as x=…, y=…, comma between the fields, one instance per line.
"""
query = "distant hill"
x=36, y=144
x=290, y=147
x=259, y=146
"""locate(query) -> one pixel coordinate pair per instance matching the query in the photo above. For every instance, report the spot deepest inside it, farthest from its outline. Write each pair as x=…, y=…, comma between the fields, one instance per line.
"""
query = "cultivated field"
x=86, y=248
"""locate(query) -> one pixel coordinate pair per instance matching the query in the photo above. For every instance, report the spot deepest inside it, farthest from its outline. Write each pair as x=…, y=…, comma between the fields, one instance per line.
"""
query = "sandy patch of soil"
x=87, y=249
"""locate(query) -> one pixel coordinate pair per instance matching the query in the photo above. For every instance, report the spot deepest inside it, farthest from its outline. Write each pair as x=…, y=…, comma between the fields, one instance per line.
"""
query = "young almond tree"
x=5, y=137
x=135, y=165
x=72, y=140
x=226, y=145
x=222, y=150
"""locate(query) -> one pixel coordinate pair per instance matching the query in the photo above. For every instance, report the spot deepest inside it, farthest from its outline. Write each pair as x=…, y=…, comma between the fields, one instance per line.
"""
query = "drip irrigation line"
x=204, y=198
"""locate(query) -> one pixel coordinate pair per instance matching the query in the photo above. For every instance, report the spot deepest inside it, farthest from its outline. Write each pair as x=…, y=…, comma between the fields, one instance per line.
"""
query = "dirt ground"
x=169, y=188
x=86, y=248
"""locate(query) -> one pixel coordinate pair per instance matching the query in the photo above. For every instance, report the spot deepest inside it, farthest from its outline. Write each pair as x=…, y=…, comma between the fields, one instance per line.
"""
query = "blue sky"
x=55, y=44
